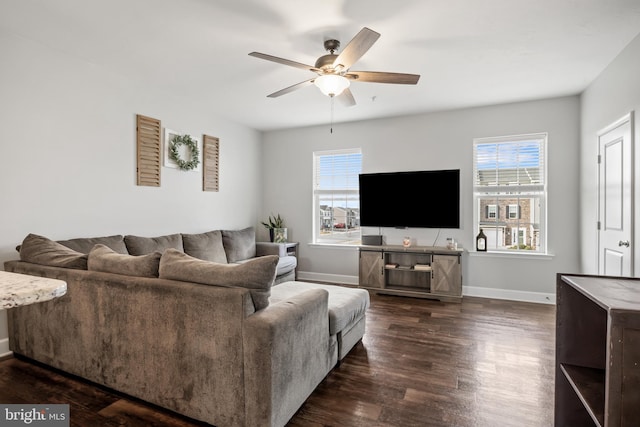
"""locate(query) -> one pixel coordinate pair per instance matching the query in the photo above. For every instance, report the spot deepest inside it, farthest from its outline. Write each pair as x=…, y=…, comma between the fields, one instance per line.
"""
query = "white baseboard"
x=472, y=291
x=509, y=294
x=4, y=347
x=329, y=278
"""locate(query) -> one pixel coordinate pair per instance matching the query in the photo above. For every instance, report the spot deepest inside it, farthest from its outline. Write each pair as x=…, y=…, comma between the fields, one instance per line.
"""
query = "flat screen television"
x=419, y=199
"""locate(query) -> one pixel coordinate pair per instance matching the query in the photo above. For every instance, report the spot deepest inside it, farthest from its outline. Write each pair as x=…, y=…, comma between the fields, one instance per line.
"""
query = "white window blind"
x=337, y=171
x=510, y=166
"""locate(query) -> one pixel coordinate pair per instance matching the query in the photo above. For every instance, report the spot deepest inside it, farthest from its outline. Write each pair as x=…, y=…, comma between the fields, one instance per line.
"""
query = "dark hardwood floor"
x=422, y=363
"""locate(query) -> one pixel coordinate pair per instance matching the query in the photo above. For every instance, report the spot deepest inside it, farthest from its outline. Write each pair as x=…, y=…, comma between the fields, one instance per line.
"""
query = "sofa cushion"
x=84, y=245
x=102, y=258
x=137, y=245
x=206, y=246
x=239, y=244
x=346, y=305
x=256, y=275
x=286, y=264
x=41, y=250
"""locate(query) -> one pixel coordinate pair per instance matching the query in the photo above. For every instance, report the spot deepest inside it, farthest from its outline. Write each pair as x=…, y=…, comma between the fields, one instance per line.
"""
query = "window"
x=513, y=211
x=510, y=192
x=492, y=211
x=336, y=197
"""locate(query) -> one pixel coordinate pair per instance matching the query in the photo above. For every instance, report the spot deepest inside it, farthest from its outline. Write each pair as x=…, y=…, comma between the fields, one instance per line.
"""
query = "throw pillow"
x=137, y=245
x=257, y=275
x=104, y=259
x=206, y=246
x=239, y=244
x=41, y=250
x=84, y=245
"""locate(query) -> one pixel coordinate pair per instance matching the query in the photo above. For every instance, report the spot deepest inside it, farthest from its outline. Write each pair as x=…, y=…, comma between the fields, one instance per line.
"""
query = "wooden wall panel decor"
x=210, y=163
x=149, y=150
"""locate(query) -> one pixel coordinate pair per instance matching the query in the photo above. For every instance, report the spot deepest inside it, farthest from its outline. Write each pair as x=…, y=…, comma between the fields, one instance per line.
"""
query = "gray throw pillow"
x=40, y=250
x=102, y=258
x=206, y=246
x=84, y=245
x=239, y=244
x=257, y=275
x=137, y=245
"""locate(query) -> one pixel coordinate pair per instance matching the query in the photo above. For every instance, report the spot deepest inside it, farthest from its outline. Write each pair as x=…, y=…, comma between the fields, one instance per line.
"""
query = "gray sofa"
x=221, y=246
x=214, y=341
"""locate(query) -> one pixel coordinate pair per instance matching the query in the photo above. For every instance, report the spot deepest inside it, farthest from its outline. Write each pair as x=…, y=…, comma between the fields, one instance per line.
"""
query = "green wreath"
x=187, y=141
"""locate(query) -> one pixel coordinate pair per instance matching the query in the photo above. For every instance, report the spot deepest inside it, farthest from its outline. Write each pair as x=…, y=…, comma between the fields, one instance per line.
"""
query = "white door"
x=615, y=199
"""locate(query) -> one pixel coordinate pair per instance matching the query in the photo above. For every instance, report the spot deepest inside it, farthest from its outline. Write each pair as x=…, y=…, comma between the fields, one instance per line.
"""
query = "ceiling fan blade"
x=291, y=88
x=383, y=77
x=357, y=47
x=283, y=61
x=346, y=98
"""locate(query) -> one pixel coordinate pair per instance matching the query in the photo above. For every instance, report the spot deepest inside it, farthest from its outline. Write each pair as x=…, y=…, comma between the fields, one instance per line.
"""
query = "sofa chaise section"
x=347, y=309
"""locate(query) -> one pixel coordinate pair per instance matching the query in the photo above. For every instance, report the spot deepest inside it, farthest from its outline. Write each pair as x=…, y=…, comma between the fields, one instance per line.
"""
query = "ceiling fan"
x=334, y=74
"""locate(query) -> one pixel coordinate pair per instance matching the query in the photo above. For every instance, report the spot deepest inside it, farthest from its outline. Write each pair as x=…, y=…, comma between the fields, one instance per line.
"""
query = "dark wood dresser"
x=597, y=351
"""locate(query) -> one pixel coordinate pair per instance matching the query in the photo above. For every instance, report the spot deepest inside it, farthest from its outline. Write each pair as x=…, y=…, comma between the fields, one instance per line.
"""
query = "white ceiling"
x=468, y=52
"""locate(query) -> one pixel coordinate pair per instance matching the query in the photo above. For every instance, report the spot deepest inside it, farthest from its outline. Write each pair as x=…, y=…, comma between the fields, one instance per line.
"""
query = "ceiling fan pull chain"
x=331, y=122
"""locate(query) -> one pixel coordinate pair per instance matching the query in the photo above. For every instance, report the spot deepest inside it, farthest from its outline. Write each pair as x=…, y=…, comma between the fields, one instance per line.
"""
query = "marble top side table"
x=23, y=289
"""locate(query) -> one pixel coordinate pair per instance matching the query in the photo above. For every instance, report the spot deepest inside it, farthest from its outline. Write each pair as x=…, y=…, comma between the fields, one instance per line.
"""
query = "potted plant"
x=277, y=230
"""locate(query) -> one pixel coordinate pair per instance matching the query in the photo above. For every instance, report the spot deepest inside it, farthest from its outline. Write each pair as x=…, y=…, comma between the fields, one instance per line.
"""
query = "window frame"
x=351, y=232
x=513, y=211
x=492, y=212
x=513, y=194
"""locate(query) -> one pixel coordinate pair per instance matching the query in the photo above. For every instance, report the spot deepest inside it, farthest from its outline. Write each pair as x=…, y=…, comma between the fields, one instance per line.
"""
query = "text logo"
x=34, y=415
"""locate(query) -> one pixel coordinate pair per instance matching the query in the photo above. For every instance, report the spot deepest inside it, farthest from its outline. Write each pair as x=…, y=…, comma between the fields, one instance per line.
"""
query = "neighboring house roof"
x=527, y=176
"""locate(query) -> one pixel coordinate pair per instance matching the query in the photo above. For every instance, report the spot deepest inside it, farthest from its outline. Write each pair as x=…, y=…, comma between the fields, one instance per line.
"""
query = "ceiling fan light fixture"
x=332, y=84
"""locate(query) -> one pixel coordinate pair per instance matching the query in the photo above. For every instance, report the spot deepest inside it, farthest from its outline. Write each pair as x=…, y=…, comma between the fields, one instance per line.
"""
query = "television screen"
x=420, y=199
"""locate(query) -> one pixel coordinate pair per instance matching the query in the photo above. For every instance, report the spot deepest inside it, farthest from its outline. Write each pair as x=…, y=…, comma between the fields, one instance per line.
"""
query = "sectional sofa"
x=183, y=328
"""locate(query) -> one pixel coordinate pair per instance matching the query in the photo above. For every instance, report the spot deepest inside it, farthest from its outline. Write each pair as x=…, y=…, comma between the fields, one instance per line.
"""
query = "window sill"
x=512, y=255
x=334, y=246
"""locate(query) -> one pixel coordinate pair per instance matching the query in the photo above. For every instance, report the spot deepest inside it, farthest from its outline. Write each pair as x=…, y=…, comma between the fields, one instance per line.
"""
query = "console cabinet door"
x=447, y=275
x=371, y=269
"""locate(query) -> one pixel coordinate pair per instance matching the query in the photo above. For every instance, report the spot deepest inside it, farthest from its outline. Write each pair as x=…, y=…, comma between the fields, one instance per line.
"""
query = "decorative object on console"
x=451, y=243
x=481, y=242
x=406, y=242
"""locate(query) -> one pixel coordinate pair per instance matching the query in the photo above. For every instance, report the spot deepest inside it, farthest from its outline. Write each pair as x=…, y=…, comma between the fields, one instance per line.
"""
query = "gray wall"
x=68, y=155
x=612, y=95
x=436, y=141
